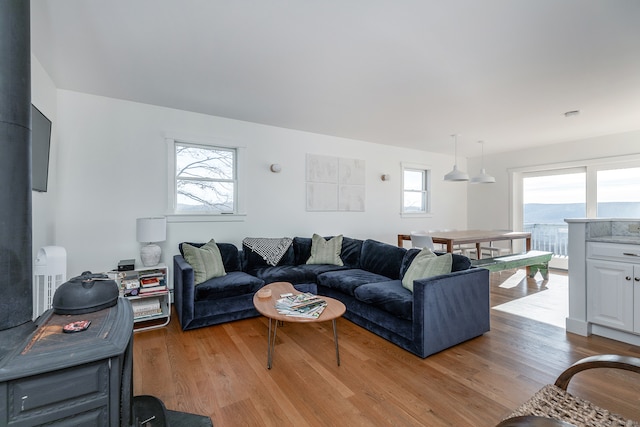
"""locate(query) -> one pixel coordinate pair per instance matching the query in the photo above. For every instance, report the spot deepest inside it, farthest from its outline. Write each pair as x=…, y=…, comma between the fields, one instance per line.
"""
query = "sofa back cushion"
x=382, y=258
x=459, y=262
x=350, y=253
x=228, y=251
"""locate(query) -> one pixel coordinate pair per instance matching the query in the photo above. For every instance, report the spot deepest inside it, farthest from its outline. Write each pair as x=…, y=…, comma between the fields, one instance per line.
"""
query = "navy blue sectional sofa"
x=442, y=311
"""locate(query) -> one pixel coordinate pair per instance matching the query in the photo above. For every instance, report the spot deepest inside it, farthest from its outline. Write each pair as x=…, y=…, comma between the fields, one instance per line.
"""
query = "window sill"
x=200, y=217
x=416, y=215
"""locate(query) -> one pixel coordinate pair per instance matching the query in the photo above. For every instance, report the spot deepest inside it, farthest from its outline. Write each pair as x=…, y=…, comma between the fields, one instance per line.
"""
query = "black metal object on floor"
x=149, y=411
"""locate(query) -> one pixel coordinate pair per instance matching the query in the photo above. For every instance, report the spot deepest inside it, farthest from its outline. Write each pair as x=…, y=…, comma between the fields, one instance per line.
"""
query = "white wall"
x=489, y=204
x=112, y=168
x=108, y=166
x=43, y=96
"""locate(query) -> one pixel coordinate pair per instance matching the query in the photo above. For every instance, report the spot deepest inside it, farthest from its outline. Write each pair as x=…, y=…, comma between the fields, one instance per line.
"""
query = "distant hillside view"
x=542, y=213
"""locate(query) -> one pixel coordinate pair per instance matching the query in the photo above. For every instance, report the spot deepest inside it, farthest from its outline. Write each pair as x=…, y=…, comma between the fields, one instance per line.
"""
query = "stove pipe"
x=15, y=165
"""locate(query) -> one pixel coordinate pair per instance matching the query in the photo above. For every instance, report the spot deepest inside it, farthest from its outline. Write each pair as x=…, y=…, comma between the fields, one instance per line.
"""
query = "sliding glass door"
x=548, y=198
x=543, y=197
x=618, y=193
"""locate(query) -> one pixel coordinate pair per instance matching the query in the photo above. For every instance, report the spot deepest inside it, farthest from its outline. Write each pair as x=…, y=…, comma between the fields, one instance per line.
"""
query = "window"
x=415, y=194
x=548, y=198
x=595, y=188
x=205, y=179
x=618, y=193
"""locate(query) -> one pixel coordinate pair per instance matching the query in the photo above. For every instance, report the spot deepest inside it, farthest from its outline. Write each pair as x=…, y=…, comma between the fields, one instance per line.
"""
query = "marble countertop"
x=629, y=240
x=579, y=220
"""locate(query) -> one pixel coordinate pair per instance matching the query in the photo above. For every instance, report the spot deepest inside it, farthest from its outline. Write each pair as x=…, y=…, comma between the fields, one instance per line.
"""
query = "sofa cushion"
x=295, y=274
x=228, y=251
x=350, y=253
x=382, y=258
x=325, y=251
x=458, y=262
x=206, y=261
x=346, y=281
x=389, y=296
x=232, y=284
x=426, y=264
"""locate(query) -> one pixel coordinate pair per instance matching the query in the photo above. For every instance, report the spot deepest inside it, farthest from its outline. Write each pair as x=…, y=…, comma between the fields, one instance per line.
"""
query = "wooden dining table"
x=477, y=237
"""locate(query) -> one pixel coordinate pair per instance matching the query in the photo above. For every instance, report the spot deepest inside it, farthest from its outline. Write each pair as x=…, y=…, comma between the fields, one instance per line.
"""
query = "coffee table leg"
x=335, y=338
x=271, y=343
x=269, y=346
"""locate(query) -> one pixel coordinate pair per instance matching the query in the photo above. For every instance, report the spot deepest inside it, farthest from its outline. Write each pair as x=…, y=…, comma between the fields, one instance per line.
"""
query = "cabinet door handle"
x=637, y=279
x=630, y=254
x=628, y=277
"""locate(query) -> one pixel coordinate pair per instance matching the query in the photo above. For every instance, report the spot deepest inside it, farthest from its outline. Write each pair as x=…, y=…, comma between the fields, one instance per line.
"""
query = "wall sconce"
x=275, y=168
x=385, y=177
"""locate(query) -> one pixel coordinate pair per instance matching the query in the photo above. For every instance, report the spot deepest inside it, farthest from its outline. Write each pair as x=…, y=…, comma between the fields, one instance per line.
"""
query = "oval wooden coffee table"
x=267, y=307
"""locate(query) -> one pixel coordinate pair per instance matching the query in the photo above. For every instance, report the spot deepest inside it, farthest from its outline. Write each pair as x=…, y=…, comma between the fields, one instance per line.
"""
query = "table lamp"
x=151, y=230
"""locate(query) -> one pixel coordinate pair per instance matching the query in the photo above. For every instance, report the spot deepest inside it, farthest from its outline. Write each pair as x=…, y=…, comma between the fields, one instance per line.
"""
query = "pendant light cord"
x=455, y=147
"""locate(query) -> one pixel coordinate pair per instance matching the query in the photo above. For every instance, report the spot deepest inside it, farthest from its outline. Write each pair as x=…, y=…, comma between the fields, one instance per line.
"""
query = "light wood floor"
x=220, y=371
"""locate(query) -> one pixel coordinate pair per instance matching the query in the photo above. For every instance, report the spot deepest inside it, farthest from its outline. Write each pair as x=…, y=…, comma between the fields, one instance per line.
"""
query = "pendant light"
x=484, y=177
x=455, y=174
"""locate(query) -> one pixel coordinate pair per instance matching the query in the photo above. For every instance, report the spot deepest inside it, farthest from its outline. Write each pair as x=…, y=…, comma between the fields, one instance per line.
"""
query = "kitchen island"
x=604, y=278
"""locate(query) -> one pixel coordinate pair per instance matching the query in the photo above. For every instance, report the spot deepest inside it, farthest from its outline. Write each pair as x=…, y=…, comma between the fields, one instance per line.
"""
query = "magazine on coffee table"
x=305, y=305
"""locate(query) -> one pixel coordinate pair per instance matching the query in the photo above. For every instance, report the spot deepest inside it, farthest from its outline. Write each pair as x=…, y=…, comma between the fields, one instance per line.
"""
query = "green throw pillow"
x=325, y=251
x=206, y=261
x=426, y=264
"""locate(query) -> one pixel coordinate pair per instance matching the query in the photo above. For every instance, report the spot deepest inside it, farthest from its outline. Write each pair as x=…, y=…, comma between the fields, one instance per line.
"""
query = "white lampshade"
x=455, y=174
x=483, y=178
x=151, y=229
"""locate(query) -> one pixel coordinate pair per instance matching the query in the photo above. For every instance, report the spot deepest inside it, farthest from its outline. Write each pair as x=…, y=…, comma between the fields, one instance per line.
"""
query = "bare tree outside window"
x=205, y=178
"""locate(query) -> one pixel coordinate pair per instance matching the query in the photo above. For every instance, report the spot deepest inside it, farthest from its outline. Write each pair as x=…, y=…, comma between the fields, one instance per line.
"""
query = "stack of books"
x=305, y=305
x=146, y=307
x=129, y=283
x=152, y=283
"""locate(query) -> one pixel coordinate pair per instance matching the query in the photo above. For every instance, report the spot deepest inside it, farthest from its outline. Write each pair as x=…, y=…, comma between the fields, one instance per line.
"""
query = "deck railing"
x=549, y=237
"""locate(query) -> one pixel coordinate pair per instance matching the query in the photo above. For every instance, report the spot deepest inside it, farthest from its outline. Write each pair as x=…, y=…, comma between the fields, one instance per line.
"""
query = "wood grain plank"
x=220, y=371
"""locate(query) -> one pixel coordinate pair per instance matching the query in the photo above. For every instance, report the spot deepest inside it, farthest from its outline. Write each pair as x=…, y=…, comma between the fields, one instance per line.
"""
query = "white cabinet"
x=613, y=286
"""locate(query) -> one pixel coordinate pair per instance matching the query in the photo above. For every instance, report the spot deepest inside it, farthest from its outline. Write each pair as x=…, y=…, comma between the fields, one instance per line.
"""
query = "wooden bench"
x=534, y=261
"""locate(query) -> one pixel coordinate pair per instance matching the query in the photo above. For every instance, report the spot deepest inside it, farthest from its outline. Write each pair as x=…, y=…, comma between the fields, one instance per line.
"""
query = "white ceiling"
x=398, y=72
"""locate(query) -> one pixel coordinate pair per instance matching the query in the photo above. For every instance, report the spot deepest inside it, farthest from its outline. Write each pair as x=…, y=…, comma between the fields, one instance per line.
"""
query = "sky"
x=615, y=185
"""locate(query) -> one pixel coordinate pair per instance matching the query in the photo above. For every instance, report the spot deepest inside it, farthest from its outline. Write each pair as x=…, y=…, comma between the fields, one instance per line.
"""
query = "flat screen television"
x=40, y=142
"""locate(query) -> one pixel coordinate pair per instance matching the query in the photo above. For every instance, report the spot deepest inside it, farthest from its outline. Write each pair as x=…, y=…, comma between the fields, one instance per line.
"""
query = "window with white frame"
x=594, y=188
x=205, y=179
x=618, y=192
x=416, y=182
